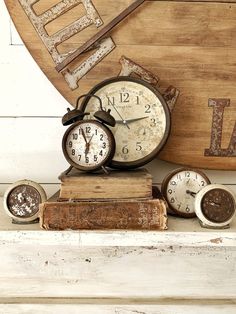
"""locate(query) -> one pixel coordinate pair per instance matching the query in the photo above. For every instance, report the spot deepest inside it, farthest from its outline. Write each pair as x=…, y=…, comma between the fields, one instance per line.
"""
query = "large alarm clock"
x=142, y=119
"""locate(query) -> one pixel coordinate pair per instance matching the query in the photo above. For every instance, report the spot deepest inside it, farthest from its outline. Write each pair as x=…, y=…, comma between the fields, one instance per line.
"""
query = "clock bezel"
x=109, y=156
x=142, y=161
x=12, y=187
x=198, y=205
x=164, y=186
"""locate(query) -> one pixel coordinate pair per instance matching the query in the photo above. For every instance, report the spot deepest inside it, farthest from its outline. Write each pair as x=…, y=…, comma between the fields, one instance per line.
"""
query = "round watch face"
x=22, y=200
x=180, y=188
x=215, y=205
x=142, y=119
x=218, y=205
x=88, y=145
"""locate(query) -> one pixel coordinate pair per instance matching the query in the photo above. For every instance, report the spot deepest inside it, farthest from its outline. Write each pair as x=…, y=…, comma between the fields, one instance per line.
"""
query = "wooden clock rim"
x=141, y=162
x=110, y=139
x=167, y=180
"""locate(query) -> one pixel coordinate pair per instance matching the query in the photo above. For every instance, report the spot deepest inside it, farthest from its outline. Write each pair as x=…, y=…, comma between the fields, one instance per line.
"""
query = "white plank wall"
x=30, y=126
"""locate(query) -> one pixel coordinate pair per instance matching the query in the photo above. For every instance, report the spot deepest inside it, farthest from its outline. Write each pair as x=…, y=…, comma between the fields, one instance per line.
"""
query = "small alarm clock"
x=180, y=187
x=88, y=145
x=215, y=206
x=21, y=201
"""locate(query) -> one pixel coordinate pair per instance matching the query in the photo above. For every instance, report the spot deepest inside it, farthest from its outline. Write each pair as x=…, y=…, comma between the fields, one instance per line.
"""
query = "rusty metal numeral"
x=130, y=68
x=52, y=42
x=215, y=149
x=72, y=77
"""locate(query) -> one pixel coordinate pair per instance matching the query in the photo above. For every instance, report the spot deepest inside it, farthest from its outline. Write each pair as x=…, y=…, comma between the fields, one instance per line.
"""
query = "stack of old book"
x=119, y=200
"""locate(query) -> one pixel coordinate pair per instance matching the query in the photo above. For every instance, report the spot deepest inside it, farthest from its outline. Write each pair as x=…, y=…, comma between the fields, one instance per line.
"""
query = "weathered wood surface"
x=107, y=264
x=164, y=308
x=115, y=185
x=191, y=47
x=40, y=267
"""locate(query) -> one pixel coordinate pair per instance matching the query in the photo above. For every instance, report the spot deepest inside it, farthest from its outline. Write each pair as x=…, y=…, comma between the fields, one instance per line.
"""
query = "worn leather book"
x=104, y=215
x=117, y=184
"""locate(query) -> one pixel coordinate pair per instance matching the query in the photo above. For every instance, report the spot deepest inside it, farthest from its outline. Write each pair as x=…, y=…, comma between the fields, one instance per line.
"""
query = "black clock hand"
x=88, y=145
x=193, y=194
x=130, y=120
x=214, y=203
x=84, y=136
x=123, y=121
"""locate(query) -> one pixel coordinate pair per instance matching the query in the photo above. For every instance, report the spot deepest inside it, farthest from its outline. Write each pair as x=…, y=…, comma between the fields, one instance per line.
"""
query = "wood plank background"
x=30, y=128
x=190, y=45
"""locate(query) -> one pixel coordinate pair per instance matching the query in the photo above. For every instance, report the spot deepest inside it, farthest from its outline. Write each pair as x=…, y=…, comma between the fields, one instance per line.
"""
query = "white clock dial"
x=142, y=119
x=180, y=189
x=87, y=145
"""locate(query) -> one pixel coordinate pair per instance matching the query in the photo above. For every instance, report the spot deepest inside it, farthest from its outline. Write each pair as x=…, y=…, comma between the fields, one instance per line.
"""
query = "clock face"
x=142, y=119
x=23, y=201
x=180, y=188
x=88, y=145
x=218, y=205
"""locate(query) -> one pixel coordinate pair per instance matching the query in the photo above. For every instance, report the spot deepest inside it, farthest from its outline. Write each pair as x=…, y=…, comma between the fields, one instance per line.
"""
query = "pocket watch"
x=142, y=119
x=88, y=145
x=21, y=201
x=215, y=206
x=180, y=188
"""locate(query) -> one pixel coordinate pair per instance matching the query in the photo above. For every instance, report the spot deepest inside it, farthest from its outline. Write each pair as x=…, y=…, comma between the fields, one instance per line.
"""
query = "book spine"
x=144, y=215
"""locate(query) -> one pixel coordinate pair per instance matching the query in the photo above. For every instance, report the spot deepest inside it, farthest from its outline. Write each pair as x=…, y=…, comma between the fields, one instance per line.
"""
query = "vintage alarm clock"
x=215, y=206
x=88, y=145
x=179, y=189
x=21, y=201
x=142, y=119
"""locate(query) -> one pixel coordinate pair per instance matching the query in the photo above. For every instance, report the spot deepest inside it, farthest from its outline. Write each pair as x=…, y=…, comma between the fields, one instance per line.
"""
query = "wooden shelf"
x=185, y=262
x=184, y=232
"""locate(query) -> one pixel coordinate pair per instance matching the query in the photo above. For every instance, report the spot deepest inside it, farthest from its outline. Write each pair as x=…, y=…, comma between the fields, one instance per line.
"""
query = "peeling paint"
x=216, y=241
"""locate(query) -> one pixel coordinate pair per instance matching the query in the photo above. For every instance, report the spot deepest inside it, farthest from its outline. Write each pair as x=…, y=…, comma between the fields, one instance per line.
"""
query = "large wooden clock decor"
x=190, y=45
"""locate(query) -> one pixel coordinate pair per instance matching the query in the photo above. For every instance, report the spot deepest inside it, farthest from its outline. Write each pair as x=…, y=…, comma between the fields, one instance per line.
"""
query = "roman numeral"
x=52, y=42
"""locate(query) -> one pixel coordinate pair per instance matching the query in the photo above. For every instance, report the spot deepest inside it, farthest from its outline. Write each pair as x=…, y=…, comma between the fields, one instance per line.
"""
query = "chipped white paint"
x=72, y=77
x=52, y=42
x=164, y=308
x=118, y=264
x=40, y=21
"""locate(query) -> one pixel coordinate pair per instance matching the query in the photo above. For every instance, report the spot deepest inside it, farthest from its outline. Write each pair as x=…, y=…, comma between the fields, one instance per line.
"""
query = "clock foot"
x=35, y=221
x=203, y=225
x=105, y=170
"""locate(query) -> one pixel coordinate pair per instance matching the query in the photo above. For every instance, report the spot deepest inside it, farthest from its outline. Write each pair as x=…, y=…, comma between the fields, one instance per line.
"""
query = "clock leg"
x=15, y=222
x=203, y=225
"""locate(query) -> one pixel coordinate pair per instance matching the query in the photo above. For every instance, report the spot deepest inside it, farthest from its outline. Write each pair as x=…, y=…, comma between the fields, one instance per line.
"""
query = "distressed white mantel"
x=186, y=269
